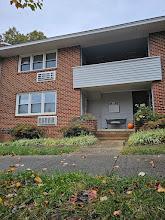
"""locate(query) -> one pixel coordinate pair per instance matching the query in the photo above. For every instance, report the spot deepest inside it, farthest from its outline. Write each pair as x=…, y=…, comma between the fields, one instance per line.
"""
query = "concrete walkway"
x=103, y=159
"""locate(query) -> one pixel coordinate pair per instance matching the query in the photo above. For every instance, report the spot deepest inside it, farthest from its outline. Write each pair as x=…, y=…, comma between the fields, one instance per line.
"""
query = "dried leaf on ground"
x=37, y=180
x=141, y=174
x=117, y=213
x=103, y=198
x=11, y=169
x=1, y=201
x=18, y=185
x=160, y=189
x=111, y=192
x=152, y=163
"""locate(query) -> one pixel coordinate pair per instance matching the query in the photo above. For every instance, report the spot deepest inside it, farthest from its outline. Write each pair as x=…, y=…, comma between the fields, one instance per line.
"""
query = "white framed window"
x=25, y=64
x=36, y=103
x=38, y=61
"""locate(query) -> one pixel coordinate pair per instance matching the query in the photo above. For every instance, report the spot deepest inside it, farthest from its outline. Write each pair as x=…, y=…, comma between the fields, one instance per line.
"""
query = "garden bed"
x=46, y=146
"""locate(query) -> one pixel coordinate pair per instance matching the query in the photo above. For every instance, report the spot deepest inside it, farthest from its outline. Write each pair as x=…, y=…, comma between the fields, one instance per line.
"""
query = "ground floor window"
x=36, y=103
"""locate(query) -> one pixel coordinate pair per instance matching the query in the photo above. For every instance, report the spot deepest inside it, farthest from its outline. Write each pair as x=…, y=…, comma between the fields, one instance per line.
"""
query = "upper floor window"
x=25, y=64
x=50, y=60
x=38, y=62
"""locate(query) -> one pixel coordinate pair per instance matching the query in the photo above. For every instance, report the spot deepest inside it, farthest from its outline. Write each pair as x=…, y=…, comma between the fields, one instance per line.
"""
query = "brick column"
x=157, y=48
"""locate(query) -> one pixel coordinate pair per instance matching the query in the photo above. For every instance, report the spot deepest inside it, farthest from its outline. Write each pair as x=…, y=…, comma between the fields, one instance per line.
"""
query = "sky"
x=68, y=16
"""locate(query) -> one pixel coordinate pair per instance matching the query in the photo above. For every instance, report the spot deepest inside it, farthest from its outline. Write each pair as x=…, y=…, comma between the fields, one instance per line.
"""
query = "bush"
x=26, y=131
x=145, y=114
x=75, y=130
x=150, y=137
x=76, y=127
x=160, y=123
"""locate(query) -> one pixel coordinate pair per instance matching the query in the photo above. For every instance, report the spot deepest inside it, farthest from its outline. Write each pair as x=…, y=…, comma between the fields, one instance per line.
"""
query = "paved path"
x=97, y=161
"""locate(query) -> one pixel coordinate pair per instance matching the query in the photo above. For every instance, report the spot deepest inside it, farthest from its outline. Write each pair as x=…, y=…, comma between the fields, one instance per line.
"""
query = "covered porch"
x=114, y=106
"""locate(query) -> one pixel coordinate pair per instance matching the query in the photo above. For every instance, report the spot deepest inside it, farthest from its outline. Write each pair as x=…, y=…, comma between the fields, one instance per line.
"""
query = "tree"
x=12, y=36
x=32, y=4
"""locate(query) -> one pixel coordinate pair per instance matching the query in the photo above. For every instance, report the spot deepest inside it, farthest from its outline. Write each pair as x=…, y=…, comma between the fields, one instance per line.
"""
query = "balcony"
x=119, y=72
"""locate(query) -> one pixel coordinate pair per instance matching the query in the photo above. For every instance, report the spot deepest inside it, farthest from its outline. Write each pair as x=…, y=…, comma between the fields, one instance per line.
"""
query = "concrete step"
x=114, y=135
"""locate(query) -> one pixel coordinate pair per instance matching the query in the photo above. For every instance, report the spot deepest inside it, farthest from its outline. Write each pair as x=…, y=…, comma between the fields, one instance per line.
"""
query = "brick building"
x=105, y=72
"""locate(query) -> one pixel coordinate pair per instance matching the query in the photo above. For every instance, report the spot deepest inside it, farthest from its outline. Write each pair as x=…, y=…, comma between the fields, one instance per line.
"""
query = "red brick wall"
x=90, y=124
x=157, y=48
x=12, y=82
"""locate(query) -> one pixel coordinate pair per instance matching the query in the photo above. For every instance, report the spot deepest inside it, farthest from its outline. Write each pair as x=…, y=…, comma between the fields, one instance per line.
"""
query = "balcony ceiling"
x=133, y=30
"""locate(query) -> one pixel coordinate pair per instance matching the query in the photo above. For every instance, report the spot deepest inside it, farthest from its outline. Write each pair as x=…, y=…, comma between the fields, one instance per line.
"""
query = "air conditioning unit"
x=46, y=76
x=47, y=120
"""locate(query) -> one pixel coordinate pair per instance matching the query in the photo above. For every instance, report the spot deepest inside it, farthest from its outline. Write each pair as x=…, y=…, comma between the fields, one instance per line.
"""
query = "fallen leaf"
x=11, y=169
x=129, y=192
x=141, y=174
x=104, y=181
x=92, y=194
x=46, y=202
x=160, y=189
x=45, y=193
x=1, y=201
x=111, y=192
x=44, y=169
x=37, y=180
x=18, y=184
x=103, y=198
x=28, y=169
x=152, y=163
x=117, y=213
x=73, y=199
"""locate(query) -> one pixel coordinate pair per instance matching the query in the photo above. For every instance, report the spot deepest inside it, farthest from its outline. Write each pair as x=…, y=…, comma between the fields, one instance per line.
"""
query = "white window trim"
x=31, y=61
x=42, y=104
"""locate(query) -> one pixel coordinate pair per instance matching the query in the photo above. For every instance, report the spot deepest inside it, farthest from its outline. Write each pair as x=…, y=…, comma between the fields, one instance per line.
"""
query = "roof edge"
x=87, y=32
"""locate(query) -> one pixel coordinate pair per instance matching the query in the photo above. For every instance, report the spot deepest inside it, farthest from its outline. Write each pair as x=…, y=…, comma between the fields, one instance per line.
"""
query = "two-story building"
x=105, y=72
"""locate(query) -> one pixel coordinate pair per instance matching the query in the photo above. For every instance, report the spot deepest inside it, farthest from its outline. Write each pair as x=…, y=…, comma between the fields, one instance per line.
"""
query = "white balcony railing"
x=119, y=72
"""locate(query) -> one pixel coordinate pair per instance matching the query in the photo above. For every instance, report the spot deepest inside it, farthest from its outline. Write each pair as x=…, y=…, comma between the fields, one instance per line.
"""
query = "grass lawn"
x=145, y=149
x=46, y=146
x=71, y=196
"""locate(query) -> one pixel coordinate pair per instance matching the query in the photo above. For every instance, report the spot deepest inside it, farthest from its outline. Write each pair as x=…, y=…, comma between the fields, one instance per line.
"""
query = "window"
x=49, y=104
x=25, y=64
x=38, y=62
x=36, y=103
x=23, y=104
x=50, y=60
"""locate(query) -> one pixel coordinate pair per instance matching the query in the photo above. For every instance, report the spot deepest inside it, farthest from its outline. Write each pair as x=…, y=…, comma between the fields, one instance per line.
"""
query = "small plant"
x=160, y=123
x=150, y=137
x=144, y=114
x=27, y=131
x=75, y=130
x=76, y=126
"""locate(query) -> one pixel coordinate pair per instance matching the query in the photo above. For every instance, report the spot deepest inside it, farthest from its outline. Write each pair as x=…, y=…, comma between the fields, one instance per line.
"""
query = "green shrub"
x=26, y=131
x=160, y=123
x=75, y=130
x=150, y=137
x=144, y=114
x=52, y=142
x=76, y=126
